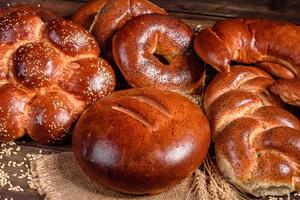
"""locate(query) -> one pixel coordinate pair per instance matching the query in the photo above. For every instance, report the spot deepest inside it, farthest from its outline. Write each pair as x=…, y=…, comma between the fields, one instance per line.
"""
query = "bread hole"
x=161, y=58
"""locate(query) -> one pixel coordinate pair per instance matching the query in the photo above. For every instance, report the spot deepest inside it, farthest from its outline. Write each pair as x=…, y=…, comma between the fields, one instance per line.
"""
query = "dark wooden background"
x=194, y=12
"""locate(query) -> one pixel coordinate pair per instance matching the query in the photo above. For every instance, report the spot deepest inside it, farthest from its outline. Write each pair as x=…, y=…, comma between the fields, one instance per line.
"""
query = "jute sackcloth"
x=59, y=177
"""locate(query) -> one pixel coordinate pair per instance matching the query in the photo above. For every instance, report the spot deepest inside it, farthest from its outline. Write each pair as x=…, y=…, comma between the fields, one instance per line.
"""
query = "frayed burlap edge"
x=205, y=184
x=59, y=177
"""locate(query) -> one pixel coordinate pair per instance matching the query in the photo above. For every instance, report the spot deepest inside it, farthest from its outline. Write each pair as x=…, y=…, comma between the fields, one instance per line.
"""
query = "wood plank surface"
x=274, y=9
x=16, y=166
x=194, y=12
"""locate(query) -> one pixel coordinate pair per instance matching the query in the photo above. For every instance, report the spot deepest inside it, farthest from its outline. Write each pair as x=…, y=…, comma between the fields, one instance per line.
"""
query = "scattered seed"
x=10, y=150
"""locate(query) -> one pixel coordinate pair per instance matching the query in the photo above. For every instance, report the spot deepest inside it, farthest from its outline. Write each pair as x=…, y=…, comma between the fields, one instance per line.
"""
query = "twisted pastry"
x=257, y=142
x=272, y=45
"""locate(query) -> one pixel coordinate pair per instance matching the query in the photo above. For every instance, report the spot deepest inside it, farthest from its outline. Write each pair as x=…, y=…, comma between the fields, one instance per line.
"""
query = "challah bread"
x=109, y=16
x=49, y=72
x=288, y=90
x=272, y=45
x=44, y=14
x=256, y=141
x=141, y=141
x=158, y=53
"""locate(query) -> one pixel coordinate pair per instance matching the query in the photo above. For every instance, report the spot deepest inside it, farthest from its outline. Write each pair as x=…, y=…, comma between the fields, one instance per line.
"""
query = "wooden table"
x=194, y=12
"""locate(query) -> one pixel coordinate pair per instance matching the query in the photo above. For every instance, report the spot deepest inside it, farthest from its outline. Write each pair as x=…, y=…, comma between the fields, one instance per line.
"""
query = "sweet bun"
x=141, y=141
x=49, y=73
x=158, y=53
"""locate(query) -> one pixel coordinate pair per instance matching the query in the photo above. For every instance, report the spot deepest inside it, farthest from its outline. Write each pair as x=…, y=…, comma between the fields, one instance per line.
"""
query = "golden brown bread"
x=158, y=53
x=141, y=141
x=44, y=14
x=110, y=16
x=86, y=14
x=257, y=142
x=49, y=72
x=288, y=90
x=272, y=45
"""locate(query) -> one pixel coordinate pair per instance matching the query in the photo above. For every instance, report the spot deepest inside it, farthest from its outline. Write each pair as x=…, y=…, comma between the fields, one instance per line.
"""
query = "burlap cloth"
x=59, y=177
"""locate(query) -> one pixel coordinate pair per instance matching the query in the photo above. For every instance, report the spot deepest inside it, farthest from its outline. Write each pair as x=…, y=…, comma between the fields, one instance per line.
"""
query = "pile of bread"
x=59, y=77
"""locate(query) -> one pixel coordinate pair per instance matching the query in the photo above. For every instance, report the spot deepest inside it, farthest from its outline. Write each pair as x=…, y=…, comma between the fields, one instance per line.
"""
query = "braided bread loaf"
x=49, y=72
x=272, y=45
x=288, y=90
x=257, y=142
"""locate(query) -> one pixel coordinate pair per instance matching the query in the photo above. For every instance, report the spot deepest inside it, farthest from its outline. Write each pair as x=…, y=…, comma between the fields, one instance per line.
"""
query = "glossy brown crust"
x=86, y=14
x=51, y=116
x=38, y=52
x=135, y=53
x=112, y=16
x=18, y=26
x=250, y=41
x=44, y=14
x=141, y=141
x=87, y=81
x=288, y=90
x=71, y=39
x=13, y=103
x=256, y=140
x=37, y=65
x=272, y=45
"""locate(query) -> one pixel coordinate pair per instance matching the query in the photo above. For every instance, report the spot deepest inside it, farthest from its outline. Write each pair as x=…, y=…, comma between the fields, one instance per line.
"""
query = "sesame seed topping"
x=37, y=59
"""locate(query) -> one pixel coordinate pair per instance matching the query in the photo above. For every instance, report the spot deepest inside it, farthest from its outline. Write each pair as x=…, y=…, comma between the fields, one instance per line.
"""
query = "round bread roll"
x=158, y=53
x=104, y=18
x=141, y=141
x=49, y=73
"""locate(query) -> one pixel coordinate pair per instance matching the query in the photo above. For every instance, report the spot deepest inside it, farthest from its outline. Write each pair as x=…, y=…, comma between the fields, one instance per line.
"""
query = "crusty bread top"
x=149, y=140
